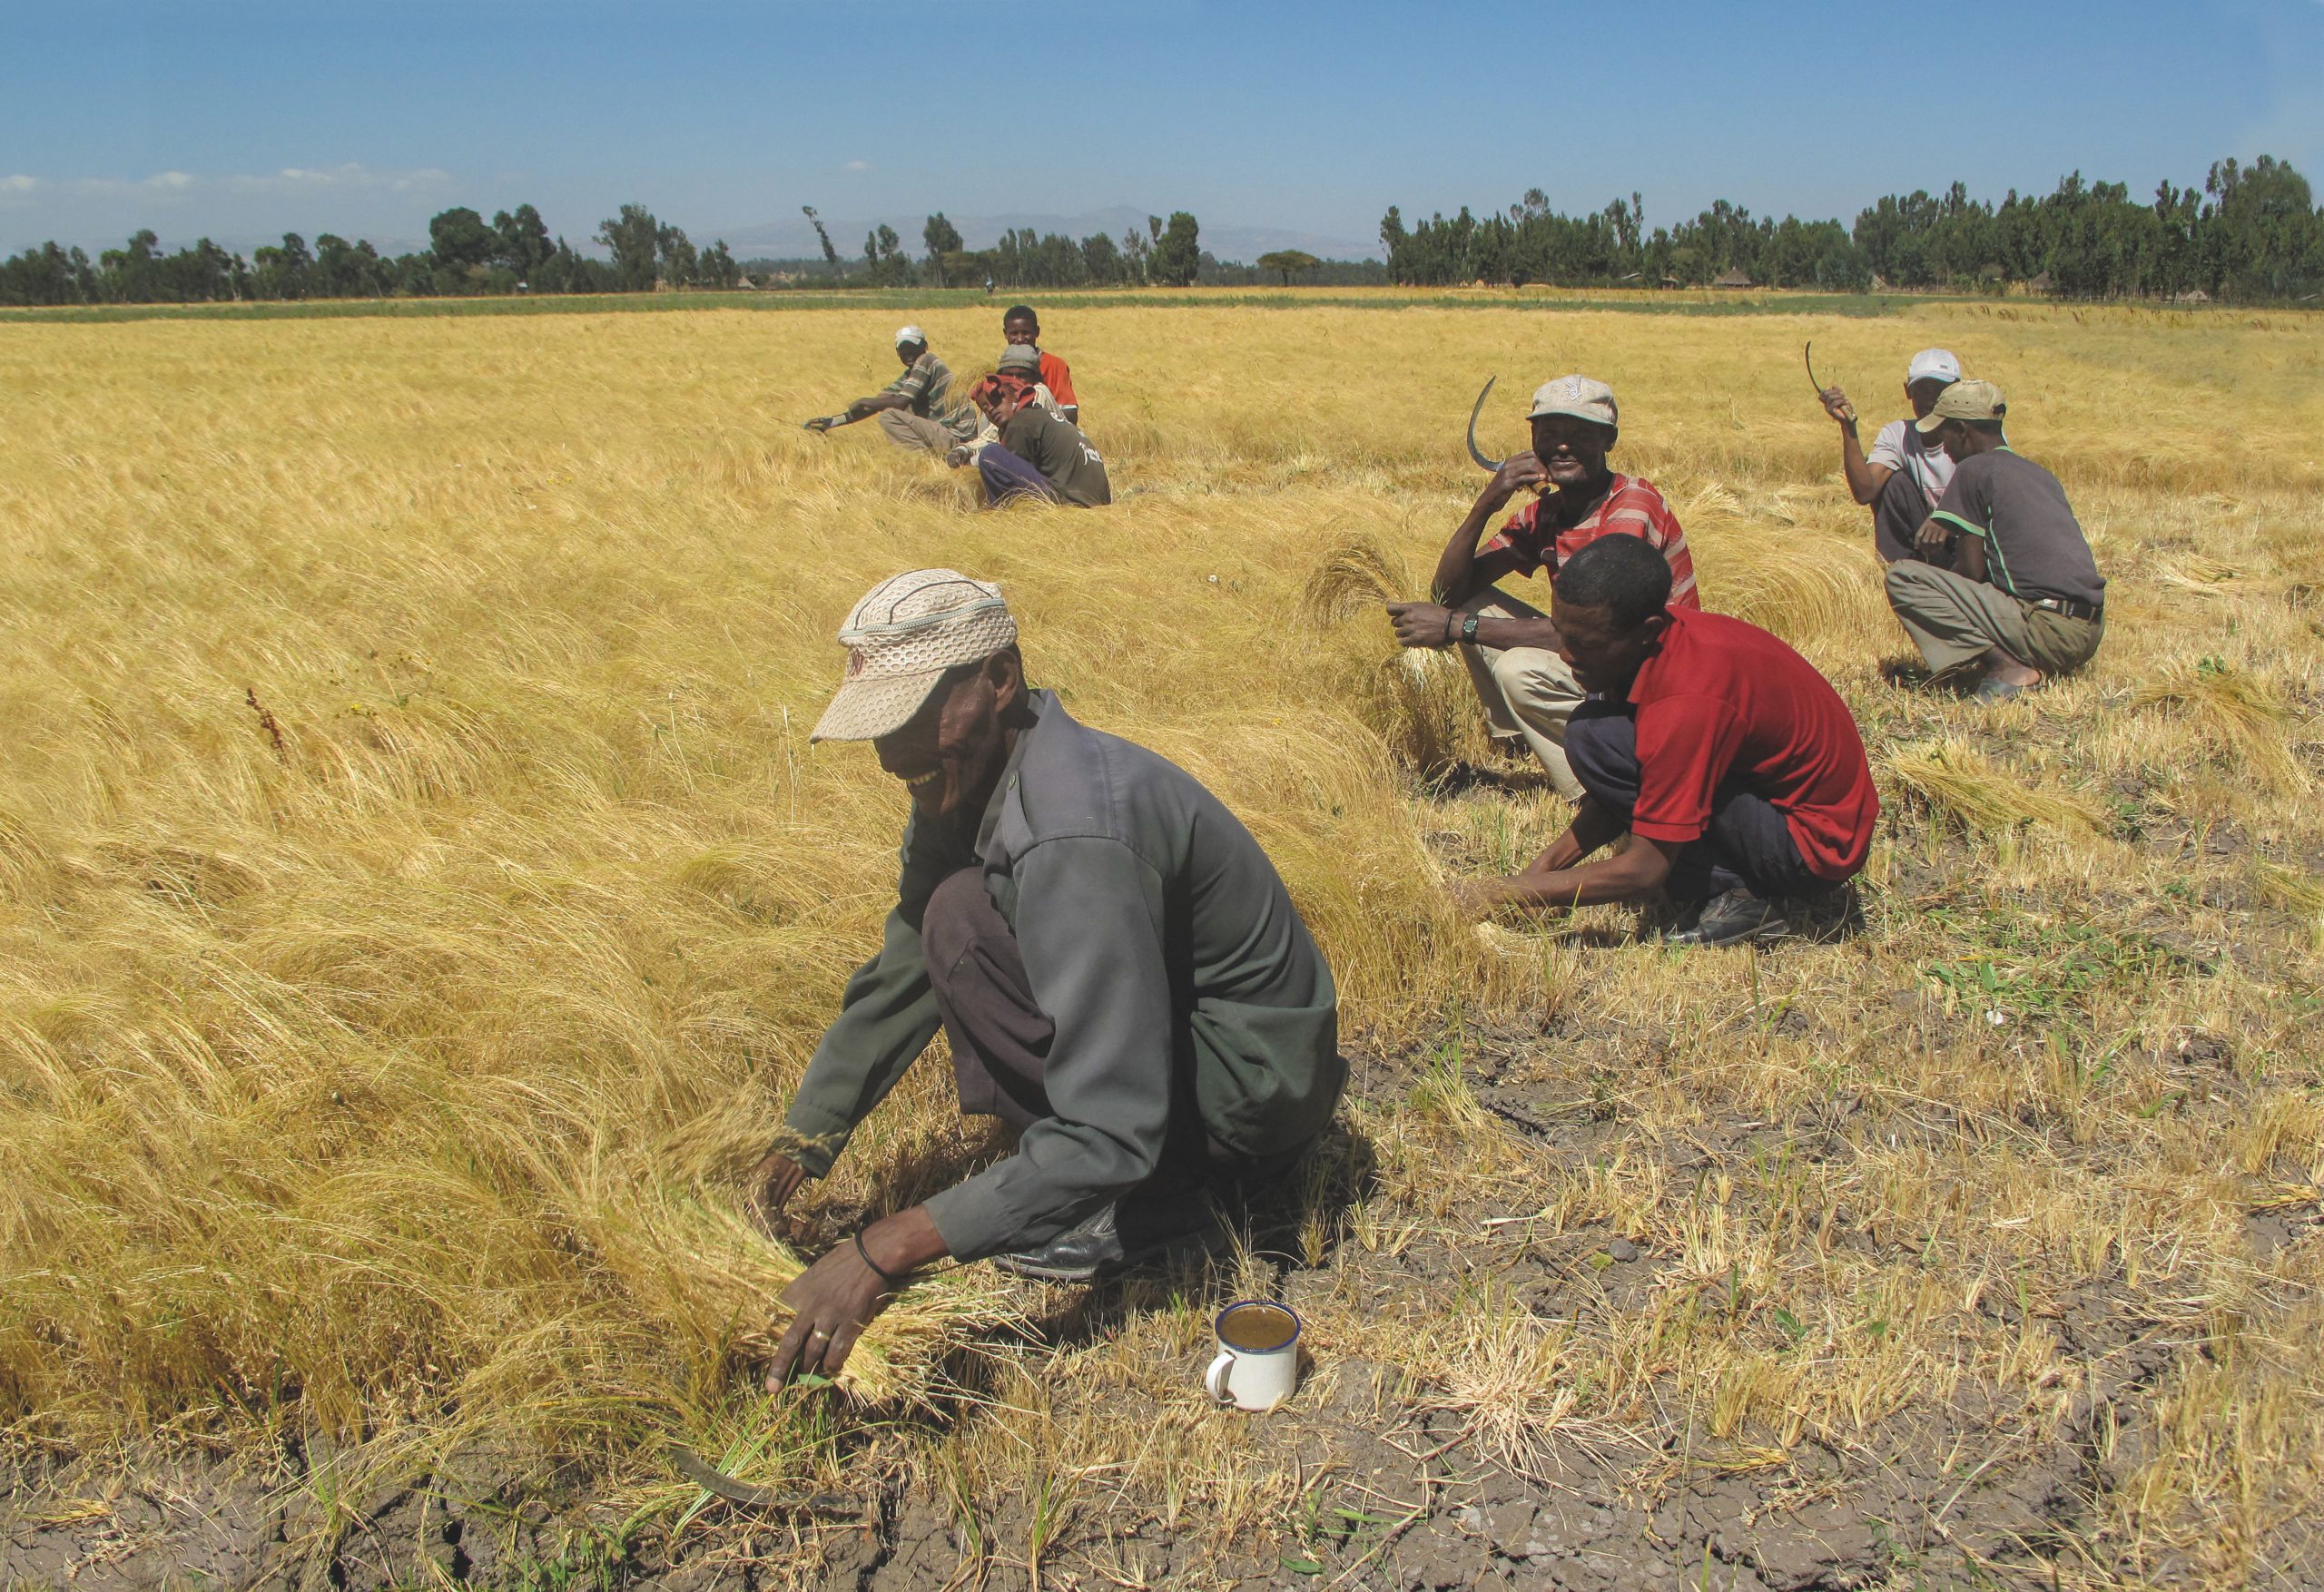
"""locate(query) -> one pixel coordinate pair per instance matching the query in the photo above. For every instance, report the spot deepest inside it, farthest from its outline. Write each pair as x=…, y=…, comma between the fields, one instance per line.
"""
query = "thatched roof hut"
x=1732, y=277
x=2039, y=284
x=2192, y=296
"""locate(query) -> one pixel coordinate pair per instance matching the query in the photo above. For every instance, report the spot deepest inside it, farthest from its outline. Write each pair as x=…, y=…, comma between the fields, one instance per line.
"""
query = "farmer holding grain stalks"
x=2019, y=590
x=1511, y=648
x=1121, y=975
x=915, y=409
x=1905, y=472
x=1030, y=449
x=1733, y=766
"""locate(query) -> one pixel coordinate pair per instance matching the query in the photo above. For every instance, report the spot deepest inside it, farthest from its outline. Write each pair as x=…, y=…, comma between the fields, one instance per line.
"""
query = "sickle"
x=1490, y=464
x=710, y=1478
x=1807, y=357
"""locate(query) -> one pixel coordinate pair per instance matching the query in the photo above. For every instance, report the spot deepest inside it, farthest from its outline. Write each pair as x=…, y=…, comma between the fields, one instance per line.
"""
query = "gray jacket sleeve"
x=886, y=1019
x=1089, y=924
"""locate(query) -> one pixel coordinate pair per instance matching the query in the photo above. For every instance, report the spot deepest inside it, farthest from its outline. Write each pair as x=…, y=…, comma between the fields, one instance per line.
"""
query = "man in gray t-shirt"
x=2019, y=588
x=1903, y=474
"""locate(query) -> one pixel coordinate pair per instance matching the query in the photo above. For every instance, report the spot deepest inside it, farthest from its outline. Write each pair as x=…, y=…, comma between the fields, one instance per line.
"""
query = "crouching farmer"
x=2023, y=595
x=1731, y=763
x=1122, y=977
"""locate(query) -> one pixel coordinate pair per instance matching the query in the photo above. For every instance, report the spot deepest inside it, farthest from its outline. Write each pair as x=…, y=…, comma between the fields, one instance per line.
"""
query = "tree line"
x=466, y=256
x=2251, y=233
x=515, y=253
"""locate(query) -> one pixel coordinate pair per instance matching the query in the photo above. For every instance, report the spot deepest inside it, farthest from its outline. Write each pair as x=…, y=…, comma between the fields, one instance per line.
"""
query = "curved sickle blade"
x=1807, y=357
x=1474, y=453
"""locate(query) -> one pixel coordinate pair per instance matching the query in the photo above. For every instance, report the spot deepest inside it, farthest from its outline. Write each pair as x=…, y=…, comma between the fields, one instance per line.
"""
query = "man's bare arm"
x=1461, y=574
x=1865, y=478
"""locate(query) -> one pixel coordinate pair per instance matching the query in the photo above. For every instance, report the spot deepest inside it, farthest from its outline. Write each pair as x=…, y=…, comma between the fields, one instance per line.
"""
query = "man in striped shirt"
x=1510, y=647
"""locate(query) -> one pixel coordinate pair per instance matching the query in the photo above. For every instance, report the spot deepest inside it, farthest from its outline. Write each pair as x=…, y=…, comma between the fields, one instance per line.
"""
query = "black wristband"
x=1448, y=617
x=894, y=1283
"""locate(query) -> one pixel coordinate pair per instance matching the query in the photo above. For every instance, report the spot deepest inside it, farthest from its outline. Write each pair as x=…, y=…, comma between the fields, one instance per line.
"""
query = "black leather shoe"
x=1733, y=919
x=1114, y=1238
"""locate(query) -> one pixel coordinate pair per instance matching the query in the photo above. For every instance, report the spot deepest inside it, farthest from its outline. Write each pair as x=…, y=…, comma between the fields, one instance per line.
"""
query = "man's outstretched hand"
x=1420, y=624
x=1837, y=405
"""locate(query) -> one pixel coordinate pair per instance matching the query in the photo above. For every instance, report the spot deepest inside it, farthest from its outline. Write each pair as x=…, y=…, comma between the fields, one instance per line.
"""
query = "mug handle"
x=1214, y=1379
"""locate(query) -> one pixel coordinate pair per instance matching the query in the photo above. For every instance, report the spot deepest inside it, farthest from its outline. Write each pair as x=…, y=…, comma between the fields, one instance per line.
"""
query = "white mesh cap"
x=901, y=638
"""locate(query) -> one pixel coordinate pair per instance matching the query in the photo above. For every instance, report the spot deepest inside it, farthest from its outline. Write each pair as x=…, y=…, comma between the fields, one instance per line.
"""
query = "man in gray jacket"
x=1117, y=963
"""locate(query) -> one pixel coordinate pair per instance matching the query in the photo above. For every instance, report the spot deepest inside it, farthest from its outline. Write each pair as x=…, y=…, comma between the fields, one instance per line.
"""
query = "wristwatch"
x=1469, y=629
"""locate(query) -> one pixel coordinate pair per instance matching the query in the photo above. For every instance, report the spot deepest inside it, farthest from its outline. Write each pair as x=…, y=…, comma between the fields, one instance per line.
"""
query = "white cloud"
x=350, y=176
x=19, y=183
x=866, y=165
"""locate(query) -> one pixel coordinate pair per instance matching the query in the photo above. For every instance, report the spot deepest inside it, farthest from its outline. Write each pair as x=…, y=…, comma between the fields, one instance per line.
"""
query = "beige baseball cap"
x=901, y=638
x=1577, y=396
x=1964, y=401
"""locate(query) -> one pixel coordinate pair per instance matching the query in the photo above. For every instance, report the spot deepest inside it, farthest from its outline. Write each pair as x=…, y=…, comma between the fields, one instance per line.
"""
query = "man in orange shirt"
x=1023, y=327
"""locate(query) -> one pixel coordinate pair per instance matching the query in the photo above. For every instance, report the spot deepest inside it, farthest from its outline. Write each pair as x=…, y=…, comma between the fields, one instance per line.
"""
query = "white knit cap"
x=910, y=334
x=901, y=638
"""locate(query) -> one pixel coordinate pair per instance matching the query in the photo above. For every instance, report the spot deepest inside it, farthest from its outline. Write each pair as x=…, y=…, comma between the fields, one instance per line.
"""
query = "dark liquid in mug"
x=1257, y=1328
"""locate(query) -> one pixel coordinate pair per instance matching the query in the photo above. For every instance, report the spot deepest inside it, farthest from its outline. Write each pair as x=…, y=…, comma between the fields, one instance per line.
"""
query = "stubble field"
x=417, y=896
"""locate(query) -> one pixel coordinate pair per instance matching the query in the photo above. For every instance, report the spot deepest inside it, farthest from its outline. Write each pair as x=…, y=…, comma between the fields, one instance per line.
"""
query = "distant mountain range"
x=793, y=239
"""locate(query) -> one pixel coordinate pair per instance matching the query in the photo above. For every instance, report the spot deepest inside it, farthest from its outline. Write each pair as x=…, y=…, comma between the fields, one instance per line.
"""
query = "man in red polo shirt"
x=1732, y=764
x=1509, y=647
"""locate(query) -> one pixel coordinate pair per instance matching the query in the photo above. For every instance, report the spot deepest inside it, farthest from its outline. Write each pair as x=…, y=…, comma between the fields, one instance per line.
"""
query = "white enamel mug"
x=1259, y=1355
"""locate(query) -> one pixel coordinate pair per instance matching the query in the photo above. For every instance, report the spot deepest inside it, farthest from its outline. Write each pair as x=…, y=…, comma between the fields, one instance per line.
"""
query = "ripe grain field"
x=418, y=895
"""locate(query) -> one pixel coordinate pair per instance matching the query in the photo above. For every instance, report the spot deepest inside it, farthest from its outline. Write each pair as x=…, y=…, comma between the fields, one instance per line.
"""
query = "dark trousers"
x=1000, y=1036
x=1896, y=515
x=1748, y=845
x=1006, y=476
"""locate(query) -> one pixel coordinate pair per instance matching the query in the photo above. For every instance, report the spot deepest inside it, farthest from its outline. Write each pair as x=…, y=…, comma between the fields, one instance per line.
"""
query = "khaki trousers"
x=906, y=429
x=1527, y=692
x=1954, y=620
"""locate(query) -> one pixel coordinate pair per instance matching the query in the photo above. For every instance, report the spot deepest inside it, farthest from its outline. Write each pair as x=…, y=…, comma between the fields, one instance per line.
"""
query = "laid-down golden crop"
x=417, y=894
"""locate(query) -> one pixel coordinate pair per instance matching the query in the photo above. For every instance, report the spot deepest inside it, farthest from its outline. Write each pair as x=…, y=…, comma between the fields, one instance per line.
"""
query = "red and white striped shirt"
x=1632, y=507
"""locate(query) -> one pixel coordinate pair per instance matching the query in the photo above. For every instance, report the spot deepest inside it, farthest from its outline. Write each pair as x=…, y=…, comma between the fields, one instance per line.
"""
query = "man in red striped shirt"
x=1510, y=647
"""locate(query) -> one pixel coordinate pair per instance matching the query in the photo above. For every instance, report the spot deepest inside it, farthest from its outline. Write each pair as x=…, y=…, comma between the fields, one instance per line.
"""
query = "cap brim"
x=865, y=709
x=1577, y=414
x=1929, y=422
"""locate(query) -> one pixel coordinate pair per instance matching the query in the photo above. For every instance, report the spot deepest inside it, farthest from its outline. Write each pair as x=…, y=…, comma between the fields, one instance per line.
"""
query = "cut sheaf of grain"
x=1965, y=787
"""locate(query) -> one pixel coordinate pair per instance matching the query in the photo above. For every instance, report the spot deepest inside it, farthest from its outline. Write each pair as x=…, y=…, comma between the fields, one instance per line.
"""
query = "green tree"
x=460, y=241
x=824, y=237
x=1177, y=253
x=524, y=243
x=718, y=267
x=1287, y=261
x=635, y=240
x=940, y=237
x=678, y=261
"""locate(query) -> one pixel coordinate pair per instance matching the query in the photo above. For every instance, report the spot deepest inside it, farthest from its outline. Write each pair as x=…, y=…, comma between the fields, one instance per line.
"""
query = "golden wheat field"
x=417, y=895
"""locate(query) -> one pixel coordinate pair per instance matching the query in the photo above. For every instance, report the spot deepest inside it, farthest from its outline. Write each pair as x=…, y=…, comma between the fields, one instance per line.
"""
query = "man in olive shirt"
x=2023, y=593
x=1117, y=963
x=1035, y=453
x=916, y=409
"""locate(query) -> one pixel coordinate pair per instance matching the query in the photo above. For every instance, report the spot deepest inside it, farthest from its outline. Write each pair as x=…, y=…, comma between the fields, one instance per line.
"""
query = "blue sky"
x=247, y=120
